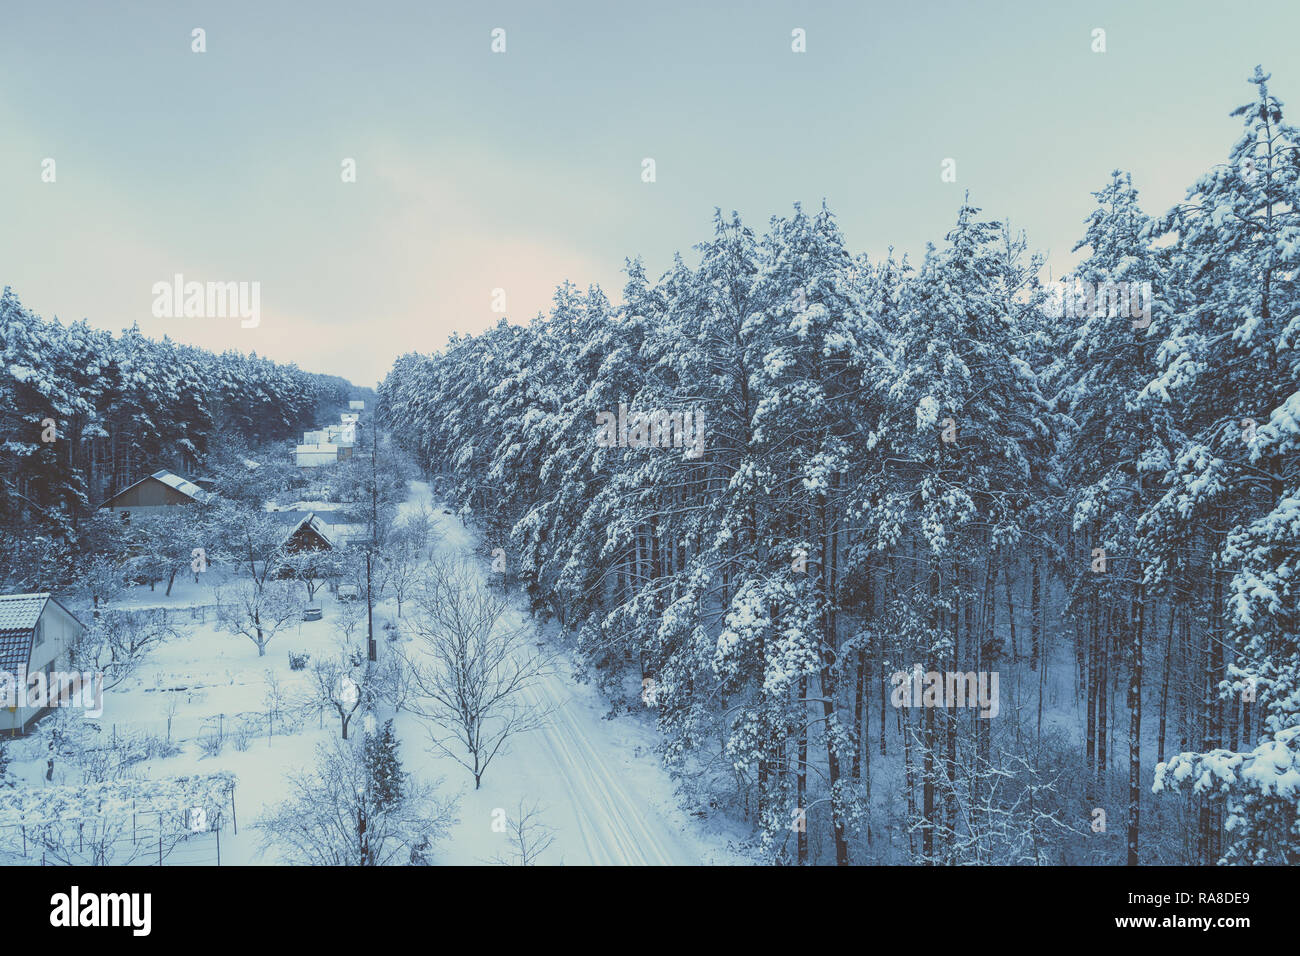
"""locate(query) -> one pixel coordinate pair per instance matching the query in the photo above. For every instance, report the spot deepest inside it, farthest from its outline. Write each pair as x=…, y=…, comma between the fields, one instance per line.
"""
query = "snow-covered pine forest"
x=937, y=466
x=792, y=556
x=85, y=413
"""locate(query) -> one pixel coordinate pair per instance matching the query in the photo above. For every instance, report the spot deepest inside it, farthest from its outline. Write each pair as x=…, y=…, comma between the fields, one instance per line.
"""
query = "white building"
x=316, y=455
x=350, y=418
x=36, y=632
x=341, y=434
x=356, y=406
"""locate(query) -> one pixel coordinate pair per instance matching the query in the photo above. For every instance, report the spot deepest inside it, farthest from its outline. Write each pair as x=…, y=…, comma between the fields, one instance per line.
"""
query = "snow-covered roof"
x=18, y=616
x=182, y=485
x=344, y=533
x=186, y=487
x=313, y=521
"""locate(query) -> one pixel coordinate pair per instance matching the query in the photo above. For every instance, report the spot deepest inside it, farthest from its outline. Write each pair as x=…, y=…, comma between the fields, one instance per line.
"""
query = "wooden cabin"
x=160, y=491
x=309, y=534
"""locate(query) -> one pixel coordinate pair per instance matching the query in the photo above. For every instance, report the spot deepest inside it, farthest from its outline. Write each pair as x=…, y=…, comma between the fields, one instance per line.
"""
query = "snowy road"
x=613, y=827
x=607, y=803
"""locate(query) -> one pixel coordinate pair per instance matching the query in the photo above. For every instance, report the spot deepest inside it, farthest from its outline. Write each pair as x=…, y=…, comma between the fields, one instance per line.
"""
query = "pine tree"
x=383, y=768
x=1229, y=360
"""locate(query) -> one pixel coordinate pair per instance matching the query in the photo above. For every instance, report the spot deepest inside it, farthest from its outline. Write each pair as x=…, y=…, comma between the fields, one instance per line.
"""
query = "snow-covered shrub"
x=248, y=726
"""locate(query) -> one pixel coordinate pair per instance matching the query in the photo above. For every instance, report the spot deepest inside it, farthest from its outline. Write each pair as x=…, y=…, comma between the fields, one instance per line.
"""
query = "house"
x=311, y=533
x=349, y=418
x=319, y=437
x=341, y=434
x=336, y=528
x=344, y=436
x=316, y=455
x=356, y=406
x=36, y=635
x=158, y=492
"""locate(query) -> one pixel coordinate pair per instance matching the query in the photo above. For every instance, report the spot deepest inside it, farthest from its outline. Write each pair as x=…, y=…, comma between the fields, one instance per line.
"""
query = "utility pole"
x=372, y=647
x=370, y=613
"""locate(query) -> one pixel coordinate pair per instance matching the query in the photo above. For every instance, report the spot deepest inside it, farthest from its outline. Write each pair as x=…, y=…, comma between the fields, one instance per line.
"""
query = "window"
x=40, y=631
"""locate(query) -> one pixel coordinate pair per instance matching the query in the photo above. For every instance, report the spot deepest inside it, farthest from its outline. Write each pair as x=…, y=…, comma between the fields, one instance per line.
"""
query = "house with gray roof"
x=158, y=492
x=36, y=634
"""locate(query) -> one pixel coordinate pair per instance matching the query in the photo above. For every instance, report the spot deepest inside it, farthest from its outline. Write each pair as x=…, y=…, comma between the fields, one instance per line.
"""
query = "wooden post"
x=233, y=817
x=160, y=863
x=218, y=846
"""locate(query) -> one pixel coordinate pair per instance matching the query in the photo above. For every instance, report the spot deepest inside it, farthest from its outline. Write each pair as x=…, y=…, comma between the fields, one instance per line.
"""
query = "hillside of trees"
x=939, y=464
x=86, y=413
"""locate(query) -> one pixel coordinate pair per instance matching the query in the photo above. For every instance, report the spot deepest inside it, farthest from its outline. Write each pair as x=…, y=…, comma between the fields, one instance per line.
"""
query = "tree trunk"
x=1135, y=730
x=1164, y=689
x=801, y=774
x=1036, y=620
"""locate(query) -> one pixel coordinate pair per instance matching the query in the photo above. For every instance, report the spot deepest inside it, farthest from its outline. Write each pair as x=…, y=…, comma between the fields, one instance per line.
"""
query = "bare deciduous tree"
x=419, y=530
x=472, y=668
x=338, y=815
x=258, y=612
x=312, y=566
x=344, y=684
x=529, y=838
x=116, y=643
x=403, y=572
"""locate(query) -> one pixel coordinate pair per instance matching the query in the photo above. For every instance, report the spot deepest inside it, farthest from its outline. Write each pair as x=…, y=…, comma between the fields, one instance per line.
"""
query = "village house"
x=158, y=492
x=311, y=533
x=36, y=635
x=316, y=454
x=356, y=406
x=320, y=529
x=344, y=436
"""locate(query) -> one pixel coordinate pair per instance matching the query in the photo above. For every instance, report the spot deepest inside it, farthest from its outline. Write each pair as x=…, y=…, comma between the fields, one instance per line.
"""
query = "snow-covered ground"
x=596, y=782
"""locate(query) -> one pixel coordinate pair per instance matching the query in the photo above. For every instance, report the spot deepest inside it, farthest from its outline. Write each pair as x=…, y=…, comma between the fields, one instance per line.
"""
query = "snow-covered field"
x=596, y=782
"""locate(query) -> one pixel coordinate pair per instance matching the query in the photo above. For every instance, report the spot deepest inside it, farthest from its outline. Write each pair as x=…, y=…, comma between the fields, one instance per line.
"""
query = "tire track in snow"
x=627, y=809
x=597, y=858
x=585, y=766
x=593, y=804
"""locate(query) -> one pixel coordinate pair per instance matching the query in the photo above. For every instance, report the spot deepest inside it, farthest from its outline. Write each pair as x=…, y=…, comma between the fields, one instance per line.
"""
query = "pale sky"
x=478, y=171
